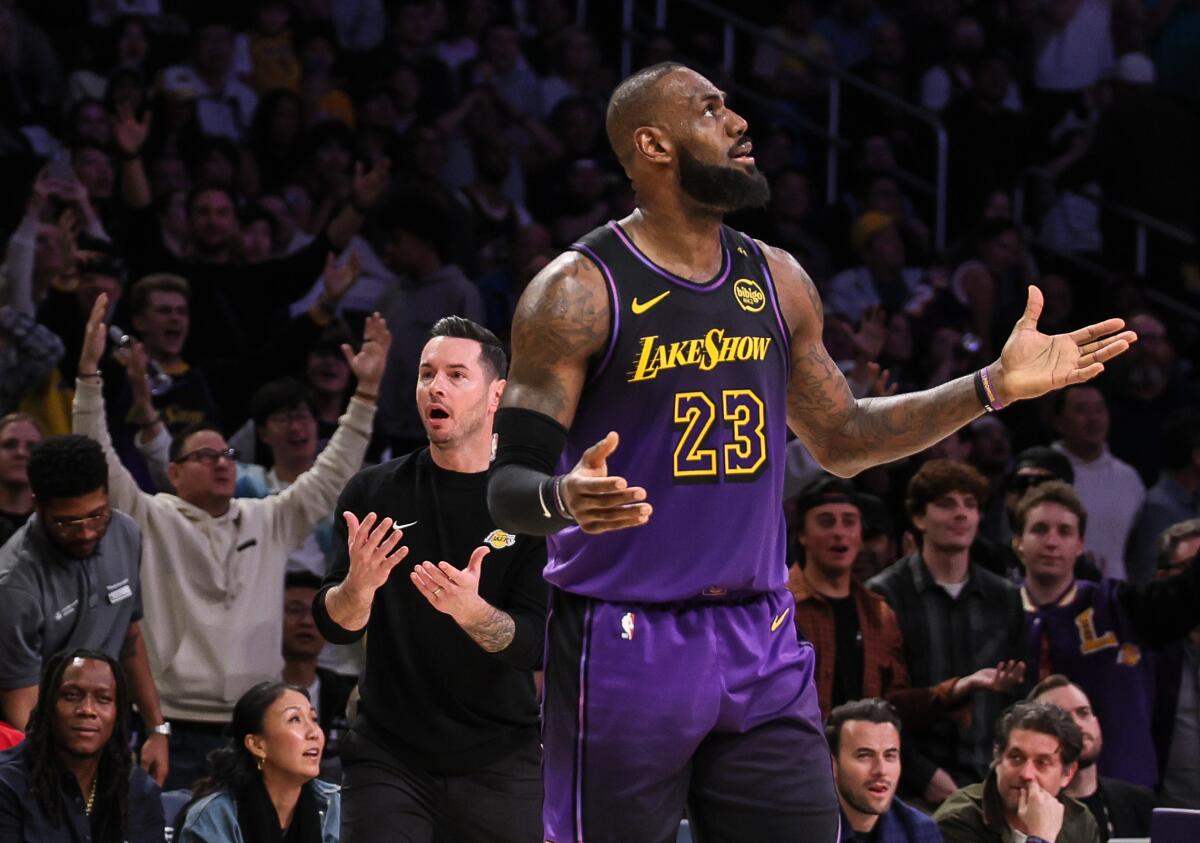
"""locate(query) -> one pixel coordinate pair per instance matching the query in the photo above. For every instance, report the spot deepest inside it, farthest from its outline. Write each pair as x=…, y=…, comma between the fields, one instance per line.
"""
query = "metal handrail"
x=837, y=77
x=1142, y=221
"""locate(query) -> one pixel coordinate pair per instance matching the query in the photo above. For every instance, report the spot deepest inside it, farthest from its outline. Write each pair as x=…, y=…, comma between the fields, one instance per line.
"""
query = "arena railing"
x=1143, y=225
x=732, y=24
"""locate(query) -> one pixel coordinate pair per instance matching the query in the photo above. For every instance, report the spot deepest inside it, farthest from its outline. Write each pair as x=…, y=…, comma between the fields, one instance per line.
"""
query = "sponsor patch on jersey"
x=750, y=296
x=499, y=539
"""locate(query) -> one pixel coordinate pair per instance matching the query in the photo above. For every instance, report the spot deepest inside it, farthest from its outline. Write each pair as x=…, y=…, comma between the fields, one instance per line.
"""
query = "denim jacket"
x=214, y=818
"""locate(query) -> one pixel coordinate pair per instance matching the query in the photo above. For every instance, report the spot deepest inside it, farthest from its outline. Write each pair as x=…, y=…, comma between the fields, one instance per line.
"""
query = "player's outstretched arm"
x=562, y=322
x=847, y=435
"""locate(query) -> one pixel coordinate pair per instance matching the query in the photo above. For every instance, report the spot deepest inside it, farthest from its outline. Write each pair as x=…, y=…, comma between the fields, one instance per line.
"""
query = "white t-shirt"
x=1112, y=492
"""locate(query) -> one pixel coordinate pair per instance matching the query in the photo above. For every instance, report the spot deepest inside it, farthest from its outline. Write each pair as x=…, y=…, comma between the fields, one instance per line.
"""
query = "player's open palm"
x=1033, y=363
x=375, y=550
x=600, y=502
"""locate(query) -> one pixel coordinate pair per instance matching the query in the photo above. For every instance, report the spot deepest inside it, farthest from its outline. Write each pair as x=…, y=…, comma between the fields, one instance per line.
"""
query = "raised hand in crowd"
x=94, y=338
x=129, y=133
x=143, y=412
x=369, y=363
x=336, y=281
x=370, y=186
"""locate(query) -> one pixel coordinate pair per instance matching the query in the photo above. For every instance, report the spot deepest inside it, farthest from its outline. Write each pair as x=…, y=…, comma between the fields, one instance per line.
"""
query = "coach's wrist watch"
x=163, y=729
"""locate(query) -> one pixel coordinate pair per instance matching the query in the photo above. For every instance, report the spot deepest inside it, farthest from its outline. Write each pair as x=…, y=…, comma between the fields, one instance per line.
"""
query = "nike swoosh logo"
x=639, y=308
x=404, y=526
x=775, y=624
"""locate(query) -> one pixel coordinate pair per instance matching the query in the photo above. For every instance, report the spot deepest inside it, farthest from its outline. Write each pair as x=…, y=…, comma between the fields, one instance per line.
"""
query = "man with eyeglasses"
x=69, y=578
x=214, y=565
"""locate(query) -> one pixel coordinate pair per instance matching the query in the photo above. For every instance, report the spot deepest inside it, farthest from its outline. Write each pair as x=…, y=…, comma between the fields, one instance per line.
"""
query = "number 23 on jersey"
x=735, y=450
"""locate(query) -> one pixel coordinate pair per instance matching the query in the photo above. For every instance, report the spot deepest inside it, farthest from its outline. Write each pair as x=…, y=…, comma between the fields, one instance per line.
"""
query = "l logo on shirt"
x=67, y=610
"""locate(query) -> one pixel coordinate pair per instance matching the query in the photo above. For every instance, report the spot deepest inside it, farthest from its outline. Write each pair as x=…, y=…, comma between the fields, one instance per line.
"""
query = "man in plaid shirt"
x=957, y=619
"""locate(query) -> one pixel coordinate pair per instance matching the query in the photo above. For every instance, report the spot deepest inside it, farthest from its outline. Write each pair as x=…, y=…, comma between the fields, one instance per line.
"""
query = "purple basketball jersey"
x=694, y=379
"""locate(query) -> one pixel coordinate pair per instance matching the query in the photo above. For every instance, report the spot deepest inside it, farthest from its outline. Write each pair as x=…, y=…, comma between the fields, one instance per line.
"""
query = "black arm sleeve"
x=1165, y=609
x=338, y=567
x=528, y=446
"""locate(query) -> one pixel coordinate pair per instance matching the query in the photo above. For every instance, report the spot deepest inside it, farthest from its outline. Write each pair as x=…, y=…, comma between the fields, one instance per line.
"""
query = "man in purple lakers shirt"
x=673, y=675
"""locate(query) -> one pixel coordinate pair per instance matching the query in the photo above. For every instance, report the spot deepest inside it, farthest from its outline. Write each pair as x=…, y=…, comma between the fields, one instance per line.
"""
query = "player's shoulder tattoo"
x=563, y=313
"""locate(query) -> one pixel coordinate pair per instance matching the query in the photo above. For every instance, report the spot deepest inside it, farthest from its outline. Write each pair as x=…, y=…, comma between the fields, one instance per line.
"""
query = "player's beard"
x=727, y=188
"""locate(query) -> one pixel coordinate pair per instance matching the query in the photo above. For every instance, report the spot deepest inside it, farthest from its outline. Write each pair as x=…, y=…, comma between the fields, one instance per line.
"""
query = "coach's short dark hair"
x=941, y=477
x=67, y=466
x=1044, y=718
x=871, y=709
x=1052, y=491
x=491, y=352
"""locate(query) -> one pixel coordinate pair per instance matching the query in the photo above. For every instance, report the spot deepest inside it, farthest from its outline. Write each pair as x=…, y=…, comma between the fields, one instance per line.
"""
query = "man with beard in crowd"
x=1120, y=809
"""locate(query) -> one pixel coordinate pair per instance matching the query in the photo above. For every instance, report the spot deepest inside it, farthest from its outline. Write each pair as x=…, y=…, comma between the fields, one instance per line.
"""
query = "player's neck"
x=835, y=584
x=469, y=457
x=1085, y=783
x=678, y=238
x=947, y=565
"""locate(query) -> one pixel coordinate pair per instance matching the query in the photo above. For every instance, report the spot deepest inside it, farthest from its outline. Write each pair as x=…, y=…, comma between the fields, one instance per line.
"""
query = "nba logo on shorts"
x=627, y=621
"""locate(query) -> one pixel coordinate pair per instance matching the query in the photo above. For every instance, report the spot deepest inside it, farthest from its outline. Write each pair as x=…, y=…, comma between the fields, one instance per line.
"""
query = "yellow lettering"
x=645, y=370
x=1089, y=642
x=705, y=353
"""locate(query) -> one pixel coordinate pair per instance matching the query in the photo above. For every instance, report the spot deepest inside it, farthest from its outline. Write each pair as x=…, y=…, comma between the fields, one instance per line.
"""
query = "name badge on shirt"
x=121, y=592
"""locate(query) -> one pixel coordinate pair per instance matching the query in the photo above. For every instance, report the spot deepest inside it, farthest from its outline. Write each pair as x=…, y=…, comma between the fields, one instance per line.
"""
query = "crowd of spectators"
x=235, y=189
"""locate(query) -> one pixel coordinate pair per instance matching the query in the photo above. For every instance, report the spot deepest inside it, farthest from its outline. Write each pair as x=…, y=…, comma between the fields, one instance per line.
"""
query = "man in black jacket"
x=446, y=741
x=1120, y=809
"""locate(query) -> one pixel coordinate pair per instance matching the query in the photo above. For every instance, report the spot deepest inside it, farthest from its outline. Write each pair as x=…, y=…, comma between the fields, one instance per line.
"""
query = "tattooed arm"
x=847, y=435
x=561, y=323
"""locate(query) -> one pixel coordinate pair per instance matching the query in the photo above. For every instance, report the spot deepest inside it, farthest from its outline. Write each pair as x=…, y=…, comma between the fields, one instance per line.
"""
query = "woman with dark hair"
x=73, y=778
x=264, y=786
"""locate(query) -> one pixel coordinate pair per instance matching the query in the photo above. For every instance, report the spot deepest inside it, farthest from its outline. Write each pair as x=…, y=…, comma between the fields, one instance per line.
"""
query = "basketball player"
x=672, y=350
